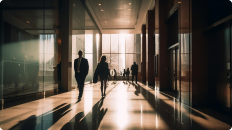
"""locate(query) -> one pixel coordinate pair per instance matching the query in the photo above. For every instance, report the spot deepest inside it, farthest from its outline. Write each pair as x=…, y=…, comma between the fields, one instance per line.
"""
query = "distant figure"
x=59, y=71
x=120, y=73
x=134, y=69
x=104, y=74
x=124, y=74
x=115, y=75
x=81, y=68
x=127, y=74
x=59, y=75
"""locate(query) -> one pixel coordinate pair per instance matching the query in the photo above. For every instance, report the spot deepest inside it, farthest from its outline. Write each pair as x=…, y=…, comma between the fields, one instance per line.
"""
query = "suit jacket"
x=84, y=67
x=134, y=69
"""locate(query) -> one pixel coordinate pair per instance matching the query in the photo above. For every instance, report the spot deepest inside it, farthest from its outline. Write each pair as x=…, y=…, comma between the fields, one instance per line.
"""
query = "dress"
x=104, y=70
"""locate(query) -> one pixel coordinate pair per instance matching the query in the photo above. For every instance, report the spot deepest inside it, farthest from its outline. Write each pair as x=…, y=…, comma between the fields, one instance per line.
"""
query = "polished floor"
x=126, y=107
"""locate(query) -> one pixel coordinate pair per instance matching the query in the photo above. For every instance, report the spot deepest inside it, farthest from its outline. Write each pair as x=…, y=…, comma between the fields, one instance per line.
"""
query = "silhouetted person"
x=33, y=69
x=104, y=74
x=81, y=68
x=127, y=74
x=59, y=75
x=134, y=69
x=115, y=75
x=59, y=71
x=124, y=74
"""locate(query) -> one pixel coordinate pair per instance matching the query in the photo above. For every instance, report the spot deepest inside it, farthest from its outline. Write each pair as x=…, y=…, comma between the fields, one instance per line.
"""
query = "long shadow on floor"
x=165, y=111
x=44, y=121
x=90, y=122
x=81, y=122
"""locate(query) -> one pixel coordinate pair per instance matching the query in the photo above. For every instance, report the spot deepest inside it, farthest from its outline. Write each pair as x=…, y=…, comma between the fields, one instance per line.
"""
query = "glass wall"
x=29, y=47
x=85, y=37
x=121, y=51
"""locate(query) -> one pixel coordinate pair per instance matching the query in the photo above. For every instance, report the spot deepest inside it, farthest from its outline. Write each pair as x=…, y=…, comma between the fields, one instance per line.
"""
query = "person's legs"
x=136, y=78
x=102, y=87
x=105, y=87
x=133, y=77
x=80, y=84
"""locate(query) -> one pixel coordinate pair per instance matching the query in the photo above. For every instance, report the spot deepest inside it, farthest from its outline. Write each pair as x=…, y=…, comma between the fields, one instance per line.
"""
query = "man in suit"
x=134, y=69
x=81, y=68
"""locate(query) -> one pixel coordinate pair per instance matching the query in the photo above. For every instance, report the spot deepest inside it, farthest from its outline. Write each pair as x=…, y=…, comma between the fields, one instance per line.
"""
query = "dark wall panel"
x=219, y=66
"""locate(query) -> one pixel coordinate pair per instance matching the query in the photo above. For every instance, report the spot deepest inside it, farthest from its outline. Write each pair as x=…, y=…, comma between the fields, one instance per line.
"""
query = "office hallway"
x=126, y=106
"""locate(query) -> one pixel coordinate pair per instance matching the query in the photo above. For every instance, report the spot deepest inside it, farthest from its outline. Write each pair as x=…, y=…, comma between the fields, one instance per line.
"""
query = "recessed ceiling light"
x=28, y=22
x=128, y=21
x=74, y=5
x=105, y=21
x=129, y=3
x=129, y=9
x=179, y=2
x=99, y=4
x=102, y=10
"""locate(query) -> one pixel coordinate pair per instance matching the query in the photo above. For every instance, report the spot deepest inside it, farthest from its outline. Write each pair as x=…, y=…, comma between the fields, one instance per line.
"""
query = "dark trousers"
x=80, y=82
x=135, y=77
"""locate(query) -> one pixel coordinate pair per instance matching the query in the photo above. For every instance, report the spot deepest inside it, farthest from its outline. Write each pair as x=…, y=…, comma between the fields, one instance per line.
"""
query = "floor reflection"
x=89, y=122
x=127, y=106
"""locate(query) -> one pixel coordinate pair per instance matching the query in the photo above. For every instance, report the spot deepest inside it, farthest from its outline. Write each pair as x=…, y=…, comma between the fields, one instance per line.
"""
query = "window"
x=121, y=50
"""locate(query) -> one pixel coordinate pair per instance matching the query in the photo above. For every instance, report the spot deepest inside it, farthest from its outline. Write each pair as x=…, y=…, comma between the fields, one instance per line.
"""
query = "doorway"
x=174, y=70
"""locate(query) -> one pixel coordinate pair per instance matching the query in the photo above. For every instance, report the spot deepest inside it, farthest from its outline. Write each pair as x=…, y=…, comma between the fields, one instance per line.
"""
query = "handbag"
x=96, y=74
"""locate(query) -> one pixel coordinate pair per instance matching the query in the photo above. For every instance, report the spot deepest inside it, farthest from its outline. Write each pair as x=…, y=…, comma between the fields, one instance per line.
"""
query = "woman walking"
x=104, y=73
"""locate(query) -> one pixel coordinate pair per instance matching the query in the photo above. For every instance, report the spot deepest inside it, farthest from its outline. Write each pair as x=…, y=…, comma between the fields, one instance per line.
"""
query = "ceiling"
x=119, y=16
x=112, y=16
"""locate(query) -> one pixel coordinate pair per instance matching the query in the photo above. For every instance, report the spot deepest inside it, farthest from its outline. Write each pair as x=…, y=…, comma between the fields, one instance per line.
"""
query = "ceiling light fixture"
x=74, y=5
x=129, y=9
x=129, y=3
x=99, y=4
x=28, y=22
x=179, y=2
x=105, y=21
x=128, y=21
x=102, y=10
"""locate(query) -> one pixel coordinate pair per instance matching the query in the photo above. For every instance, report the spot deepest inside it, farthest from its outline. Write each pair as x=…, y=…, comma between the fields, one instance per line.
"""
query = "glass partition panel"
x=122, y=44
x=114, y=43
x=130, y=45
x=114, y=62
x=106, y=43
x=88, y=43
x=89, y=57
x=125, y=50
x=121, y=62
x=28, y=49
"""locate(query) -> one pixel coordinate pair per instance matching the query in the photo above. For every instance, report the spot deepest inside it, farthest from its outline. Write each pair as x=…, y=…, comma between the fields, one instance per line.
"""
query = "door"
x=174, y=69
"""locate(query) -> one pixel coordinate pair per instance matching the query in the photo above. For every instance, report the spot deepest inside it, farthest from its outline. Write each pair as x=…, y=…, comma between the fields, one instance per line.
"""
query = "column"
x=95, y=58
x=143, y=71
x=66, y=44
x=1, y=47
x=151, y=48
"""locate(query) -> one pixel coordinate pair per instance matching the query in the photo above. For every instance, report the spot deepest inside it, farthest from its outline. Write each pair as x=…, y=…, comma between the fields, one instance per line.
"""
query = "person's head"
x=80, y=53
x=103, y=58
x=134, y=63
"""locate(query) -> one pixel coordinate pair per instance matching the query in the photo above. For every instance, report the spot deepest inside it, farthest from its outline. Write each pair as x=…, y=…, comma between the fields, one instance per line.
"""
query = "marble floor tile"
x=125, y=107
